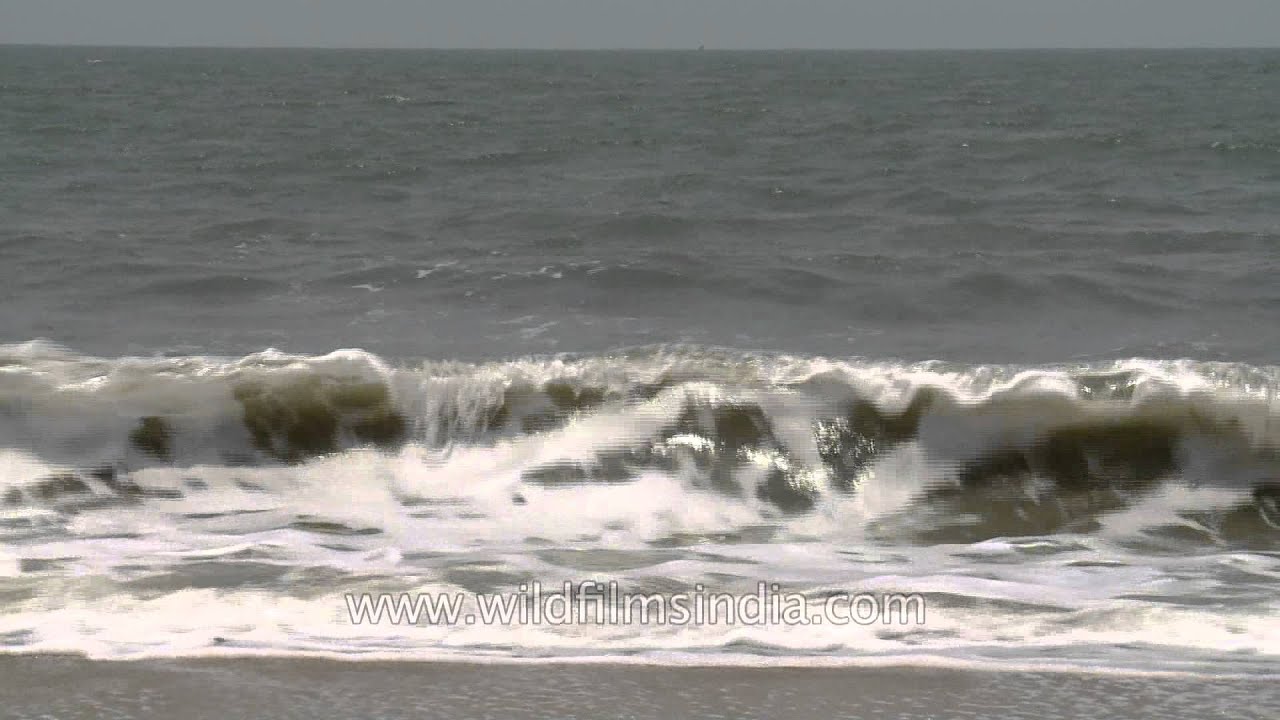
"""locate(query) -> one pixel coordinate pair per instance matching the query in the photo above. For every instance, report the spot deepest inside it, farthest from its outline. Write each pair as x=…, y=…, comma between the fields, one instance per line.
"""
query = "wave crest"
x=1016, y=450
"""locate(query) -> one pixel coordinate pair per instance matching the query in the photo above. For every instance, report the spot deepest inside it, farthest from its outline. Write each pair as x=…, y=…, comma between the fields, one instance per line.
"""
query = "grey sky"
x=645, y=23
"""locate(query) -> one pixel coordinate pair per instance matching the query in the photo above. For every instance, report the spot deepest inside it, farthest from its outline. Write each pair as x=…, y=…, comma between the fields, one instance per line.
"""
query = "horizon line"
x=411, y=48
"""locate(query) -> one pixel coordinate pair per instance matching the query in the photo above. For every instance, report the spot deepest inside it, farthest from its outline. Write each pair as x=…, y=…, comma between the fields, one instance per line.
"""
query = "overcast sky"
x=646, y=23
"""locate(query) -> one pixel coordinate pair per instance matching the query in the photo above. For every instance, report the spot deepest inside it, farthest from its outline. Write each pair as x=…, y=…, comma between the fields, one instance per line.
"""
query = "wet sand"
x=69, y=687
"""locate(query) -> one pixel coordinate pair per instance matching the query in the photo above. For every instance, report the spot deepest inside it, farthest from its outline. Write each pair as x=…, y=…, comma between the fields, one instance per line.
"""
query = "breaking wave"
x=1002, y=450
x=1075, y=514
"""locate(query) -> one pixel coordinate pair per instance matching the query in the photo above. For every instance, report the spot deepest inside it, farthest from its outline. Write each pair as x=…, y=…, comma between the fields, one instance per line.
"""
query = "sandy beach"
x=68, y=687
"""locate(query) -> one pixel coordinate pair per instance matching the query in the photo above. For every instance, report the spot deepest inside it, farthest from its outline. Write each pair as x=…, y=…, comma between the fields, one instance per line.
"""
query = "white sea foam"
x=218, y=548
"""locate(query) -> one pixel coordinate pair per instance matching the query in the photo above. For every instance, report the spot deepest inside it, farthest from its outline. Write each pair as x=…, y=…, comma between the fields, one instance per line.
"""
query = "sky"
x=645, y=23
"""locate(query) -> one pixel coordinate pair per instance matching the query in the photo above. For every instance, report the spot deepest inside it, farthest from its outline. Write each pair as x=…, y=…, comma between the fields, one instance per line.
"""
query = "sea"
x=996, y=331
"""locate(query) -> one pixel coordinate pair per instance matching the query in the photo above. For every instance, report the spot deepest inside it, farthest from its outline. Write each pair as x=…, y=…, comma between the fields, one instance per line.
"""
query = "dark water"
x=989, y=207
x=996, y=329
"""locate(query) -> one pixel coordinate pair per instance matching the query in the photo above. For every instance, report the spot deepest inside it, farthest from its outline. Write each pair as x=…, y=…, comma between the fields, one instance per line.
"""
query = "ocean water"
x=993, y=329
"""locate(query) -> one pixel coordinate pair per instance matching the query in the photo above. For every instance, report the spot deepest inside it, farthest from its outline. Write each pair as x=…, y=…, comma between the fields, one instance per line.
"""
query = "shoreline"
x=745, y=663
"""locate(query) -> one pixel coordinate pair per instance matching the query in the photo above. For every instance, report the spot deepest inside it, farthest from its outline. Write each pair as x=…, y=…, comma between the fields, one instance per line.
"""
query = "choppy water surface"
x=996, y=329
